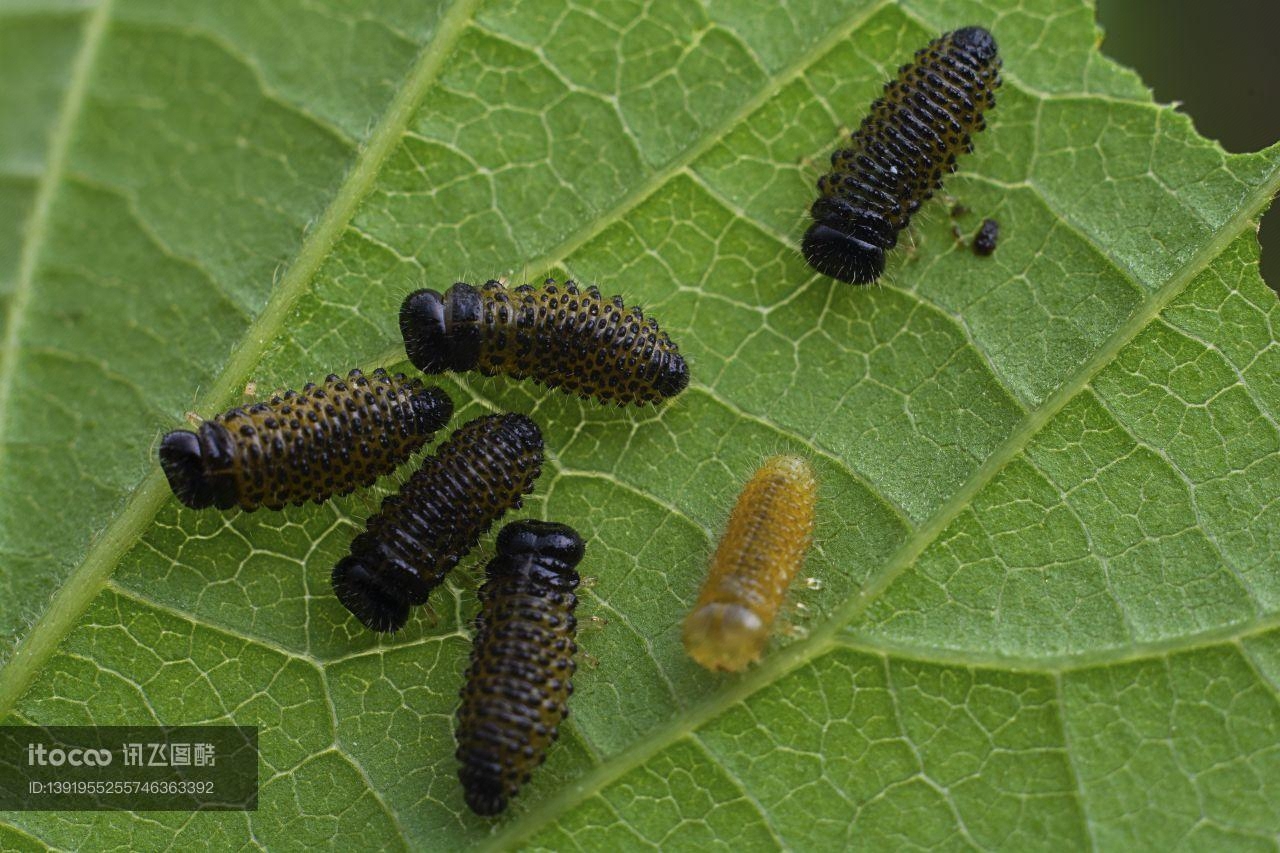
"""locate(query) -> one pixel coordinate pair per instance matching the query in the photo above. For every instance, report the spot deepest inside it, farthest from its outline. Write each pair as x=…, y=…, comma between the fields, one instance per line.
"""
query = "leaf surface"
x=1049, y=516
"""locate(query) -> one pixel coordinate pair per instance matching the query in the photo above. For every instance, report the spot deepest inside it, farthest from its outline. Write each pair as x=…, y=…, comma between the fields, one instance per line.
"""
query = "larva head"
x=977, y=41
x=559, y=542
x=199, y=466
x=441, y=332
x=846, y=242
x=724, y=636
x=362, y=591
x=422, y=325
x=182, y=461
x=673, y=375
x=832, y=252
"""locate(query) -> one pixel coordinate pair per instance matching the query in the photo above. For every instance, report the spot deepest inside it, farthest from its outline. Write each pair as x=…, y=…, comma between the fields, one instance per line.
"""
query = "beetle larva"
x=326, y=440
x=562, y=337
x=438, y=515
x=518, y=684
x=900, y=154
x=761, y=550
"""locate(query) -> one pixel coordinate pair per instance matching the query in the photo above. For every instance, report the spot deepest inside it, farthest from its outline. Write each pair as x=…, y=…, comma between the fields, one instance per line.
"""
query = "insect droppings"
x=518, y=685
x=761, y=550
x=901, y=152
x=421, y=532
x=984, y=242
x=560, y=336
x=326, y=440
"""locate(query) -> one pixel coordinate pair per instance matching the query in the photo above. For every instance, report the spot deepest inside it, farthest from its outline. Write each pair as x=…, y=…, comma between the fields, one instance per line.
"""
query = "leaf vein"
x=1059, y=663
x=737, y=782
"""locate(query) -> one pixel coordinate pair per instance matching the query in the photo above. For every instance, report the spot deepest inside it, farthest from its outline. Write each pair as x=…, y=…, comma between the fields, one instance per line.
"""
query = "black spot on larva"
x=518, y=684
x=421, y=531
x=326, y=440
x=984, y=242
x=900, y=154
x=561, y=336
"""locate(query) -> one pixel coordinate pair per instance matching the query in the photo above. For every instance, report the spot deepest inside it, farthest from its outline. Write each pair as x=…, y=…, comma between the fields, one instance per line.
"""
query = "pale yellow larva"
x=761, y=550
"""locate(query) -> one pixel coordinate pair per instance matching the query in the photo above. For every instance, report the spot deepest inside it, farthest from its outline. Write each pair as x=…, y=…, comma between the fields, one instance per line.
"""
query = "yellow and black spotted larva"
x=762, y=549
x=560, y=336
x=439, y=514
x=326, y=440
x=517, y=686
x=900, y=154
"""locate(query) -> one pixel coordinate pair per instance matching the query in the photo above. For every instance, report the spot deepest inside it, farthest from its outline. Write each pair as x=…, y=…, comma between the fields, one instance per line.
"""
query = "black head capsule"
x=518, y=684
x=556, y=544
x=442, y=332
x=561, y=336
x=325, y=440
x=375, y=597
x=421, y=532
x=850, y=248
x=900, y=153
x=182, y=459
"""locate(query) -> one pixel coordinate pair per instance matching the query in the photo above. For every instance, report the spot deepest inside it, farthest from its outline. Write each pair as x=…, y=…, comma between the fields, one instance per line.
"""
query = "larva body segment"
x=561, y=336
x=326, y=440
x=518, y=685
x=421, y=532
x=761, y=550
x=900, y=154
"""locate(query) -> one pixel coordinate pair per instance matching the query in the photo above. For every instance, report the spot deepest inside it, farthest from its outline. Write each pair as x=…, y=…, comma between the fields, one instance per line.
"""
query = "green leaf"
x=1049, y=522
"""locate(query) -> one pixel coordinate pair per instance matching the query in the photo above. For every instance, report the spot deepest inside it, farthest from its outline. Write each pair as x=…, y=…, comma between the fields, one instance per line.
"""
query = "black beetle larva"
x=900, y=154
x=518, y=684
x=561, y=336
x=419, y=534
x=326, y=440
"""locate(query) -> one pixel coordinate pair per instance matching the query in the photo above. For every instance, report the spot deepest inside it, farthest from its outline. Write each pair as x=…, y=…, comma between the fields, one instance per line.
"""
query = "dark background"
x=1221, y=59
